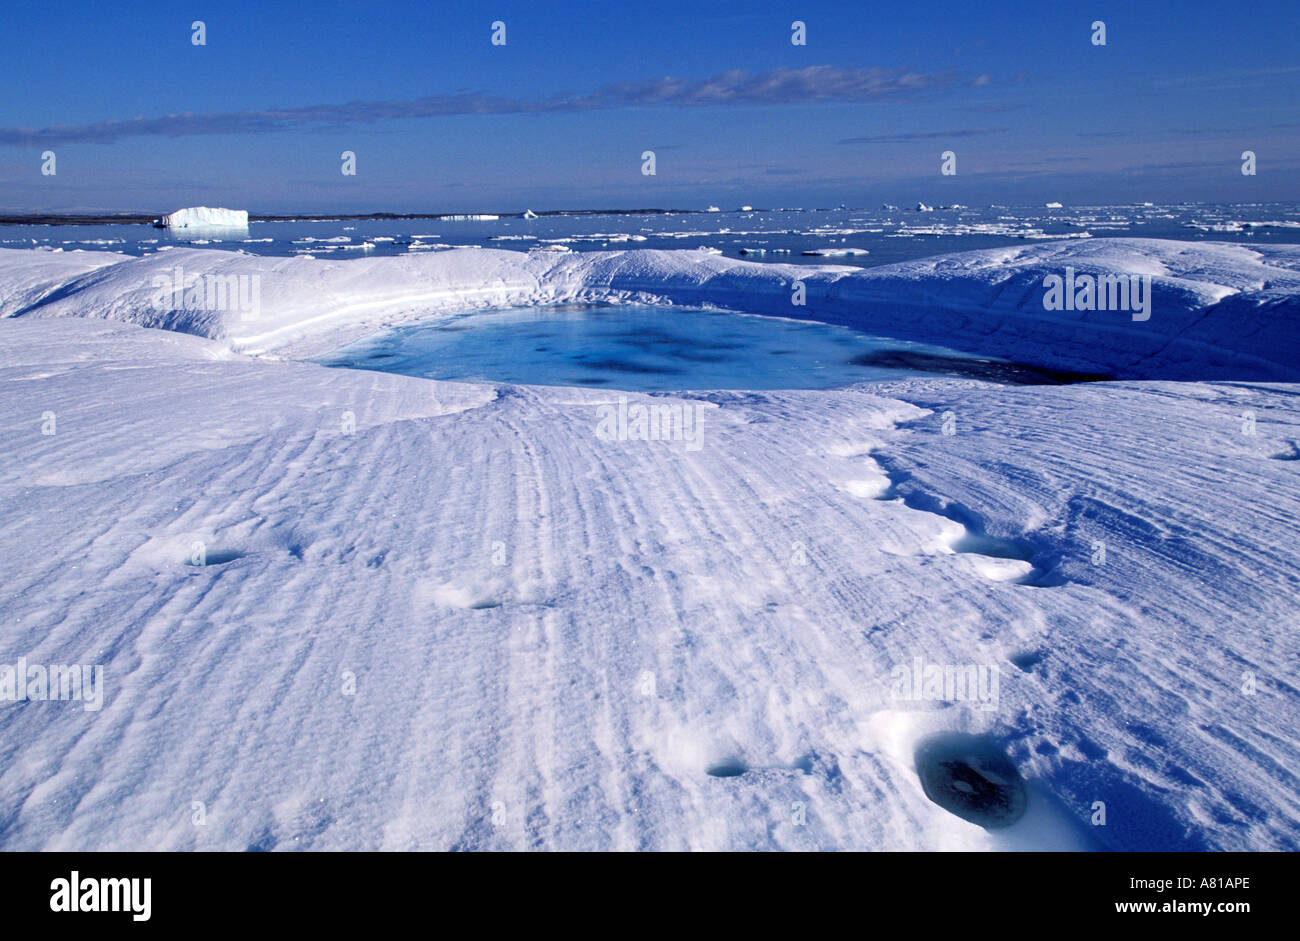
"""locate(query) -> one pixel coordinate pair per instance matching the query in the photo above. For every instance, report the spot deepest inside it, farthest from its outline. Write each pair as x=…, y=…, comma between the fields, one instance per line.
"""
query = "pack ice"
x=347, y=609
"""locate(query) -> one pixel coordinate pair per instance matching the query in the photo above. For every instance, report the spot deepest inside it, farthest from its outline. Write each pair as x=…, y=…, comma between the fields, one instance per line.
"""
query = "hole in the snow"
x=728, y=768
x=969, y=776
x=1026, y=659
x=214, y=557
x=993, y=547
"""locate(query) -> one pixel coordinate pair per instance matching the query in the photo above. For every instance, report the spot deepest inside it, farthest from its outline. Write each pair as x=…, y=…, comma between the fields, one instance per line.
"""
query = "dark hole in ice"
x=969, y=776
x=1026, y=659
x=217, y=557
x=728, y=768
x=993, y=547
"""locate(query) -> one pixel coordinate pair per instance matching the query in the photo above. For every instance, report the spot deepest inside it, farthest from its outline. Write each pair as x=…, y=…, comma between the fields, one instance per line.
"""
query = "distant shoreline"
x=143, y=218
x=138, y=218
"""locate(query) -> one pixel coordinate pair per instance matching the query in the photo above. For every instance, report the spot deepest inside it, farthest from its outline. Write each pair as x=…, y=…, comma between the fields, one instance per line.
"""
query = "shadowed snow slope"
x=1218, y=310
x=438, y=615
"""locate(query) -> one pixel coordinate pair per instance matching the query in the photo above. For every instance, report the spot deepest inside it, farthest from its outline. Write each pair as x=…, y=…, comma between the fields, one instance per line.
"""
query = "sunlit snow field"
x=361, y=608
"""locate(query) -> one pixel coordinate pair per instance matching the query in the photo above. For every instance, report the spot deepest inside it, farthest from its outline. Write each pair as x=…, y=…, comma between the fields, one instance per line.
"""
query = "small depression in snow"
x=728, y=768
x=969, y=776
x=657, y=349
x=214, y=557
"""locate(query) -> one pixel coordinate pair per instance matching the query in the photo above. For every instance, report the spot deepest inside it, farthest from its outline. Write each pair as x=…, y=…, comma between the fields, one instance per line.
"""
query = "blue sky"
x=442, y=120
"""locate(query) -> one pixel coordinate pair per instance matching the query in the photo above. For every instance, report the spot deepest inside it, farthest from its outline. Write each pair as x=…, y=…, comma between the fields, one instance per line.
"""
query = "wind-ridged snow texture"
x=564, y=642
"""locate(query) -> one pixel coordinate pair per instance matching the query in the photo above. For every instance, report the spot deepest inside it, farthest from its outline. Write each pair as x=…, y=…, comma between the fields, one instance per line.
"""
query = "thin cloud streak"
x=812, y=85
x=922, y=136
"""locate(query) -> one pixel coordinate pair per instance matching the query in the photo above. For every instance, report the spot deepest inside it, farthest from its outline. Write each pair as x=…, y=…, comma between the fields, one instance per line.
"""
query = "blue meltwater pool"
x=656, y=349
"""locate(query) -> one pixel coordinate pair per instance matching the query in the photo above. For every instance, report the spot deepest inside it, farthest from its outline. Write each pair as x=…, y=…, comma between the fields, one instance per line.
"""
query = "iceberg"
x=203, y=217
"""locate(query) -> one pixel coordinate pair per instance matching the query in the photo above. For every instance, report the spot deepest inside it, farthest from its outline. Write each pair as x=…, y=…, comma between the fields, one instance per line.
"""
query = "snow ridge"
x=1218, y=310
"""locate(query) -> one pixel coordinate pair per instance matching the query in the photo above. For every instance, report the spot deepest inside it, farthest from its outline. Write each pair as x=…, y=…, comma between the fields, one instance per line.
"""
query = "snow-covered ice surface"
x=562, y=641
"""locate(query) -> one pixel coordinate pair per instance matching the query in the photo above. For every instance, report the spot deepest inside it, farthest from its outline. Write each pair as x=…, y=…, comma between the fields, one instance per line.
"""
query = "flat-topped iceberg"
x=204, y=217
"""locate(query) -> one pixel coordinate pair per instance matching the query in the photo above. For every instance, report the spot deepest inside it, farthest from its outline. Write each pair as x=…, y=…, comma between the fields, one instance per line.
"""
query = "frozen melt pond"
x=653, y=349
